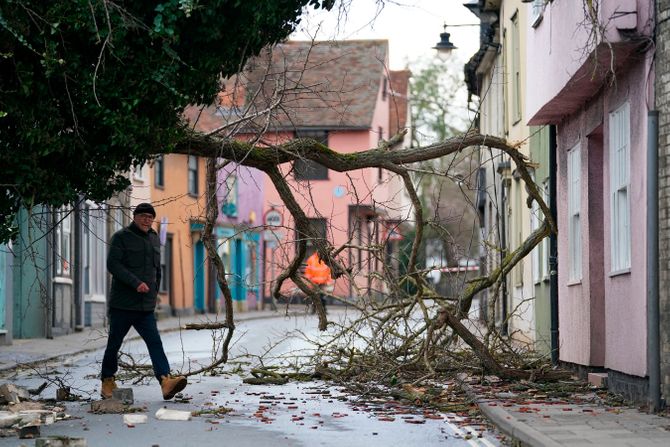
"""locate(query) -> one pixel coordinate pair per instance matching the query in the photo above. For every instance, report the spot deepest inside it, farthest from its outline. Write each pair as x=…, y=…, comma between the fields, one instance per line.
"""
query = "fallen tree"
x=444, y=312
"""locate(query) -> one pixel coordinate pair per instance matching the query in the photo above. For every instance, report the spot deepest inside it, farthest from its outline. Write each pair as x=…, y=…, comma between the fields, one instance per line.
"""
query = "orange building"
x=177, y=193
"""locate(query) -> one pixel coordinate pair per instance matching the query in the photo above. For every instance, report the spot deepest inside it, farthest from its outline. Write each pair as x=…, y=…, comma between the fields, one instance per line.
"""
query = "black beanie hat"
x=144, y=208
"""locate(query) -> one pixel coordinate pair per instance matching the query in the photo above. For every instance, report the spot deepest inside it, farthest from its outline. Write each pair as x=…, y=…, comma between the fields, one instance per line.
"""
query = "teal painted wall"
x=234, y=249
x=3, y=285
x=30, y=275
x=199, y=280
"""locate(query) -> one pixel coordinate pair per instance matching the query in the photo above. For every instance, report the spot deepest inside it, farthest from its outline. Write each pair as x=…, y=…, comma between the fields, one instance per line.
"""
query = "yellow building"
x=496, y=73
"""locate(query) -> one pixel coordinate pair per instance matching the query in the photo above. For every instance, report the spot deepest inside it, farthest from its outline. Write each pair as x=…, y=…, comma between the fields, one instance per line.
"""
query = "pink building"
x=338, y=93
x=596, y=87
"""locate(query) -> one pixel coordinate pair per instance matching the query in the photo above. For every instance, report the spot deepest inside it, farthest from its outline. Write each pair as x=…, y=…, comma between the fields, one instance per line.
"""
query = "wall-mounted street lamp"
x=445, y=46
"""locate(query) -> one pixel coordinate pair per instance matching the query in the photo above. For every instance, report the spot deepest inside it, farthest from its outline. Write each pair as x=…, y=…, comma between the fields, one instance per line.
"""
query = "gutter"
x=489, y=16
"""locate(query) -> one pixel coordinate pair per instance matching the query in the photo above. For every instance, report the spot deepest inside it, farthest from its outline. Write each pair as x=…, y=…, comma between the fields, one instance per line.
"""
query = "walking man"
x=134, y=262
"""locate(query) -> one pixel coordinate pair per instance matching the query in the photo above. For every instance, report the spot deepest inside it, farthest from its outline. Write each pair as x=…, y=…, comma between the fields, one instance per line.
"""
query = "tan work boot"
x=172, y=385
x=108, y=387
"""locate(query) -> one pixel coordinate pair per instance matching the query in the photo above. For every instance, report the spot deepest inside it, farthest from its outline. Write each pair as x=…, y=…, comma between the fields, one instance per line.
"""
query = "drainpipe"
x=653, y=348
x=553, y=248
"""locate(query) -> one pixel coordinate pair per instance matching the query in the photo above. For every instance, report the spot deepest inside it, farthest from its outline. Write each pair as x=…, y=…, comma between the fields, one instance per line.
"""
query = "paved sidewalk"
x=554, y=423
x=32, y=351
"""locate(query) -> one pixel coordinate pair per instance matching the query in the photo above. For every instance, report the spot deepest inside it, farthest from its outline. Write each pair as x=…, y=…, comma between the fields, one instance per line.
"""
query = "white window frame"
x=231, y=193
x=540, y=254
x=117, y=219
x=63, y=246
x=139, y=173
x=516, y=68
x=619, y=188
x=574, y=214
x=517, y=228
x=95, y=251
x=544, y=261
x=159, y=172
x=193, y=174
x=166, y=267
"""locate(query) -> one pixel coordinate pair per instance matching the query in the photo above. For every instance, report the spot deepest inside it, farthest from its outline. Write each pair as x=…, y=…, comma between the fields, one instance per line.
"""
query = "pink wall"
x=560, y=41
x=626, y=294
x=323, y=198
x=318, y=198
x=602, y=318
x=581, y=304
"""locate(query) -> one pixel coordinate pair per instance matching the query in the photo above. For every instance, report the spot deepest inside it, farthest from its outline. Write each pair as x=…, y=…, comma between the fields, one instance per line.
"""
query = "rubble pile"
x=22, y=417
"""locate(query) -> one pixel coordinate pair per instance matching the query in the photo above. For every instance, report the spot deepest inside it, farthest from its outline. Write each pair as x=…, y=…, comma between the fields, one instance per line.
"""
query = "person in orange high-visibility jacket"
x=319, y=274
x=317, y=271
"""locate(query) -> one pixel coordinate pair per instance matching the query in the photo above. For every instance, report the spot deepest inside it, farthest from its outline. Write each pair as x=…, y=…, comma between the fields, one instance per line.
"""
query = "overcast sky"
x=412, y=27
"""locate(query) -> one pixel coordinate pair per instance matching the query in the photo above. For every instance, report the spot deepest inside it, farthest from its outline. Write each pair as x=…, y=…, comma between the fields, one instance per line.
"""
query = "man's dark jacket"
x=134, y=257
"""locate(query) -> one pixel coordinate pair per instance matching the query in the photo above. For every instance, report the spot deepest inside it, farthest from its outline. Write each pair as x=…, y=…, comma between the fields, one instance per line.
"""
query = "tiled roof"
x=331, y=84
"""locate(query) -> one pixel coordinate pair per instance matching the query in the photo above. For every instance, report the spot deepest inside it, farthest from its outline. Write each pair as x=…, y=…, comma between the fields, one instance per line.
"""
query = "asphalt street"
x=227, y=410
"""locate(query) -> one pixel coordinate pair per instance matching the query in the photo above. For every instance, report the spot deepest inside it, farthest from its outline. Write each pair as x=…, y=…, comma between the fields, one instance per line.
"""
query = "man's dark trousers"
x=120, y=322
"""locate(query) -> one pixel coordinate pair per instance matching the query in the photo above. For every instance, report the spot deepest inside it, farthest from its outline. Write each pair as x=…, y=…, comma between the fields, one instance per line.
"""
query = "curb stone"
x=518, y=430
x=509, y=424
